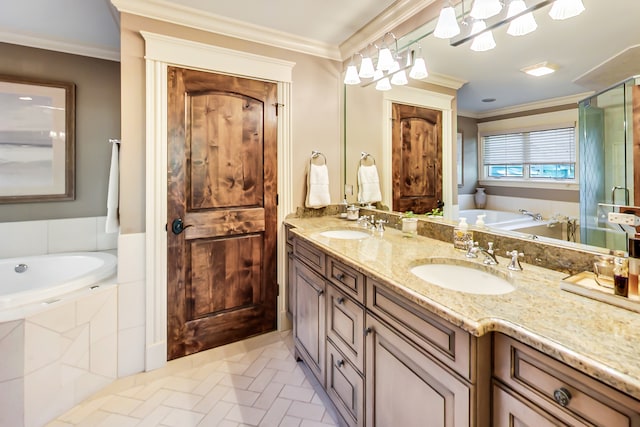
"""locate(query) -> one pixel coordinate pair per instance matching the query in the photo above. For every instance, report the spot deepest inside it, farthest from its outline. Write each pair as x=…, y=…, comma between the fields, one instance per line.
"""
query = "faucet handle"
x=490, y=247
x=515, y=265
x=380, y=224
x=472, y=249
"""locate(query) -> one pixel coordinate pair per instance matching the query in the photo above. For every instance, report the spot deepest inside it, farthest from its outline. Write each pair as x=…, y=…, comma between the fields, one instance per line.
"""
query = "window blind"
x=534, y=147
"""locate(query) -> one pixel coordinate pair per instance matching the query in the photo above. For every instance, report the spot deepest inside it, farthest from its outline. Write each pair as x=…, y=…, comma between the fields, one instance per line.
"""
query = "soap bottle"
x=480, y=221
x=461, y=234
x=634, y=266
x=621, y=275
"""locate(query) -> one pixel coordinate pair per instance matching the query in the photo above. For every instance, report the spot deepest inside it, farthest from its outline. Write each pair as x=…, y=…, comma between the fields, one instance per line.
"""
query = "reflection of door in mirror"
x=417, y=158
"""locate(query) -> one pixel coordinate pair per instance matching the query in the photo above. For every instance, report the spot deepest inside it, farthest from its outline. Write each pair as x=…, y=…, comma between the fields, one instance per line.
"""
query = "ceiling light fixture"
x=351, y=76
x=382, y=81
x=419, y=69
x=385, y=58
x=447, y=25
x=540, y=69
x=483, y=9
x=484, y=40
x=565, y=9
x=366, y=66
x=398, y=76
x=523, y=24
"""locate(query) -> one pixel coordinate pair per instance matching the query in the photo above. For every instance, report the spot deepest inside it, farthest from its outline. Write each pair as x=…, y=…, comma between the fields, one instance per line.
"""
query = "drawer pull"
x=339, y=276
x=340, y=363
x=340, y=300
x=562, y=396
x=367, y=331
x=320, y=291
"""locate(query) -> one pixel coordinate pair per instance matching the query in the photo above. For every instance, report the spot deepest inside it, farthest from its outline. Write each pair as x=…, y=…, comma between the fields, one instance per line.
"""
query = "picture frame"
x=460, y=162
x=37, y=140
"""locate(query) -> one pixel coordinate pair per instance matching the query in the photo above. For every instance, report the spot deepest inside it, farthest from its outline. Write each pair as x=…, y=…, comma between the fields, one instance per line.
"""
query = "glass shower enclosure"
x=607, y=158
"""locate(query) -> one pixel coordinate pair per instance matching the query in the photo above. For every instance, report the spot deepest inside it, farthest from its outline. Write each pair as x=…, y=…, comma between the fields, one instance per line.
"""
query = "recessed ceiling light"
x=541, y=69
x=489, y=100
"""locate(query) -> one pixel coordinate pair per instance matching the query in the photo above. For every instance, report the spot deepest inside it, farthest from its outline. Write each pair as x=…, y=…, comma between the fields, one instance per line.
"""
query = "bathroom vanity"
x=392, y=349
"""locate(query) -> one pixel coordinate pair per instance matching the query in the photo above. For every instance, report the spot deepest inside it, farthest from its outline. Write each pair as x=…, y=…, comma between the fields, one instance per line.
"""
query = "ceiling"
x=579, y=46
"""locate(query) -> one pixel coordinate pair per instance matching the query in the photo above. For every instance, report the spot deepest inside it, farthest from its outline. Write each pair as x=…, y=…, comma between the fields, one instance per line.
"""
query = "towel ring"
x=316, y=154
x=363, y=158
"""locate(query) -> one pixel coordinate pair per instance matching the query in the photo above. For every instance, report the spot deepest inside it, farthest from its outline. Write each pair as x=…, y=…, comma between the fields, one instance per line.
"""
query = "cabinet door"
x=290, y=288
x=345, y=326
x=309, y=319
x=511, y=411
x=405, y=387
x=345, y=387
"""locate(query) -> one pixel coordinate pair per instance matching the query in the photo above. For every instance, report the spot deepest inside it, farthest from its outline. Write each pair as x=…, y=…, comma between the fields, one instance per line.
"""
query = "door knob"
x=177, y=226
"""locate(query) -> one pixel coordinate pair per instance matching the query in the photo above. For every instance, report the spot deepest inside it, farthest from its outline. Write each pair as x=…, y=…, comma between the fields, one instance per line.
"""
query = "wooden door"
x=405, y=387
x=417, y=158
x=221, y=278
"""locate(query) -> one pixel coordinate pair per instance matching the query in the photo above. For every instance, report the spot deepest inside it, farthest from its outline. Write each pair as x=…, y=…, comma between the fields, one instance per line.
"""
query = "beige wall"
x=469, y=129
x=316, y=111
x=97, y=120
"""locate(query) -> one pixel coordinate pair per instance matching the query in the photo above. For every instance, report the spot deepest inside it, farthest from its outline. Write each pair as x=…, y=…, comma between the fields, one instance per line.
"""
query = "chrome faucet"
x=515, y=265
x=367, y=221
x=380, y=225
x=489, y=256
x=536, y=216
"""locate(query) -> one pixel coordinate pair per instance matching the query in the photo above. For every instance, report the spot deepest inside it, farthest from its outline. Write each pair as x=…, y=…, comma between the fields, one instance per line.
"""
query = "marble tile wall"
x=25, y=238
x=56, y=358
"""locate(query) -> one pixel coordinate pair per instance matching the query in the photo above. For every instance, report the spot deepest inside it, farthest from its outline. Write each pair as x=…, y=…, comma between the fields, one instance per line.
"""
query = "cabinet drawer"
x=345, y=326
x=346, y=278
x=444, y=341
x=545, y=381
x=288, y=234
x=345, y=387
x=311, y=255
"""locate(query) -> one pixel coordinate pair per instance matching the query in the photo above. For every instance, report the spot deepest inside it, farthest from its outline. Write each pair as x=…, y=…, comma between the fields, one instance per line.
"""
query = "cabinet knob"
x=320, y=291
x=562, y=396
x=340, y=300
x=367, y=331
x=340, y=276
x=340, y=363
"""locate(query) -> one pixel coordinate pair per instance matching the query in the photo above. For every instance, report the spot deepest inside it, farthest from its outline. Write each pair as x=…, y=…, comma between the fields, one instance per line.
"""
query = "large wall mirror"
x=590, y=55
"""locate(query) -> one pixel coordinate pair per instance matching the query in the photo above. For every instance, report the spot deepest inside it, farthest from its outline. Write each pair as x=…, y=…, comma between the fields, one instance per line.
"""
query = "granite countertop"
x=598, y=339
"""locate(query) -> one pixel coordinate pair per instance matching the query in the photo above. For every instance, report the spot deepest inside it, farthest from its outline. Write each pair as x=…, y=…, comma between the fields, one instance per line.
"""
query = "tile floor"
x=256, y=382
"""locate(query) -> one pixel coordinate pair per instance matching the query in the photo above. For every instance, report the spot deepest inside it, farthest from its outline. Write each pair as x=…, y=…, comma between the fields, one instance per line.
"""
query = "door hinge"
x=277, y=199
x=278, y=105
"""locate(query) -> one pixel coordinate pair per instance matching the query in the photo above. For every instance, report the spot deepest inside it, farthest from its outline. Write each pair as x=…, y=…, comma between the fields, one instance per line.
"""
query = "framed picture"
x=37, y=140
x=460, y=150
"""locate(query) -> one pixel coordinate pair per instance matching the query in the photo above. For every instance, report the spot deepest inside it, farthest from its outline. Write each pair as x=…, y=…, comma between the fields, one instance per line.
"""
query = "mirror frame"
x=62, y=99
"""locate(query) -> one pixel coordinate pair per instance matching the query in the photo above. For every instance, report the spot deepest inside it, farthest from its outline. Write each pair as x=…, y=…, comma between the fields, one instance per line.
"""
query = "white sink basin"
x=463, y=279
x=345, y=234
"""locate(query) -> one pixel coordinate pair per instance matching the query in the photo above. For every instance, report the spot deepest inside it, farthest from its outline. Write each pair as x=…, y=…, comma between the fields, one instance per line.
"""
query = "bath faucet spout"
x=535, y=216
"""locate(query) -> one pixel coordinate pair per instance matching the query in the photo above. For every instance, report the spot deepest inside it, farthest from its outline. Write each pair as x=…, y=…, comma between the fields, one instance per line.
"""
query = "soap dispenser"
x=480, y=221
x=634, y=266
x=462, y=235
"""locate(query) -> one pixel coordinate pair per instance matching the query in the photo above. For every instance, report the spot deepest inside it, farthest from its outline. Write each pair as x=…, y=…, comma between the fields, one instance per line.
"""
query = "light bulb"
x=523, y=24
x=565, y=9
x=484, y=41
x=483, y=9
x=351, y=76
x=366, y=68
x=447, y=25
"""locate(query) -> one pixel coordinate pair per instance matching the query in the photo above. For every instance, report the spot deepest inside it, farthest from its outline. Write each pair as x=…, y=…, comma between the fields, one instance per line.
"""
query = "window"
x=533, y=155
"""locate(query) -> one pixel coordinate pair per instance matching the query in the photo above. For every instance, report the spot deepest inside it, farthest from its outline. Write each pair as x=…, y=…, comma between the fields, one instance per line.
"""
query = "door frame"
x=434, y=101
x=160, y=52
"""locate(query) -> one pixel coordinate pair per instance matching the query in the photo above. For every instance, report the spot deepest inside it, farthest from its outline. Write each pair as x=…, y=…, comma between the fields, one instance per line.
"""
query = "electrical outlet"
x=622, y=218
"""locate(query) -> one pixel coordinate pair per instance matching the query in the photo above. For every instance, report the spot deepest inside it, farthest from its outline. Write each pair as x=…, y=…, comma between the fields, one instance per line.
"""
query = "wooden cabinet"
x=406, y=387
x=309, y=319
x=345, y=387
x=345, y=326
x=557, y=391
x=511, y=410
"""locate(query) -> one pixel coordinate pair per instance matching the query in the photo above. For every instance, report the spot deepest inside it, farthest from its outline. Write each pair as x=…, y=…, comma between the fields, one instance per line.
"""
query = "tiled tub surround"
x=57, y=355
x=56, y=235
x=595, y=338
x=54, y=356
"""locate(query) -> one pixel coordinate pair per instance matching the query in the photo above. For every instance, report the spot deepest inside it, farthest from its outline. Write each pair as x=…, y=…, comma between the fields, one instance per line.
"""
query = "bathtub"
x=512, y=221
x=46, y=277
x=58, y=333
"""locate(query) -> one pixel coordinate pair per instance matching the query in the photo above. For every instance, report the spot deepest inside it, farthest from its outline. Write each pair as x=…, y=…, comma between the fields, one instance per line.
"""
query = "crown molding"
x=444, y=81
x=180, y=15
x=59, y=46
x=531, y=106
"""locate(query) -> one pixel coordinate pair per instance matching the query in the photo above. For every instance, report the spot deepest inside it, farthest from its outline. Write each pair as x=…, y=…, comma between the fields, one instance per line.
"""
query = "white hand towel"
x=318, y=186
x=112, y=225
x=368, y=184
